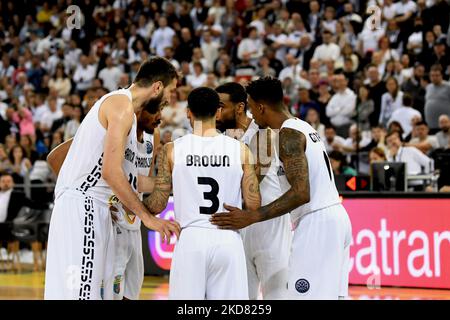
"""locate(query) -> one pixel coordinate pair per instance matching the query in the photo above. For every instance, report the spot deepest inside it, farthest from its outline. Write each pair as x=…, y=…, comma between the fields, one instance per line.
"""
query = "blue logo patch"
x=302, y=285
x=149, y=146
x=117, y=281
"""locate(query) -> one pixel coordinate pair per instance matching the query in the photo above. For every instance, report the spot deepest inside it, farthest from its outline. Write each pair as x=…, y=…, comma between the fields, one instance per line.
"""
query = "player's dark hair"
x=155, y=69
x=235, y=91
x=203, y=102
x=266, y=90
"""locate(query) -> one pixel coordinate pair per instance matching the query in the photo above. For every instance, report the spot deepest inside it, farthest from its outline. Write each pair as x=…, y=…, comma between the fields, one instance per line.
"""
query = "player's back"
x=207, y=173
x=322, y=187
x=82, y=168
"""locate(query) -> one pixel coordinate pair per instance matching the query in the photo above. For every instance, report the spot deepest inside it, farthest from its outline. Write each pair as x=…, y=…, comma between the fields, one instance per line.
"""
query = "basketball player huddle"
x=255, y=215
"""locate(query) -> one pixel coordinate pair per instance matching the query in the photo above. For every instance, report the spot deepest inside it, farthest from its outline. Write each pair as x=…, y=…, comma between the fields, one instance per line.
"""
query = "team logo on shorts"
x=302, y=285
x=117, y=281
x=149, y=147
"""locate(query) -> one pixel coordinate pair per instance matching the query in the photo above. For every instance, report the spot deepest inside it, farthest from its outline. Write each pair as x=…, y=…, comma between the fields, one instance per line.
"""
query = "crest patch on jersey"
x=302, y=285
x=117, y=281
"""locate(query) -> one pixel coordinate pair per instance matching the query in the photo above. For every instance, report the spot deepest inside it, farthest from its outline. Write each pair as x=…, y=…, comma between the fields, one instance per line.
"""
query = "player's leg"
x=134, y=272
x=121, y=258
x=272, y=262
x=108, y=275
x=76, y=249
x=318, y=250
x=187, y=273
x=252, y=276
x=226, y=267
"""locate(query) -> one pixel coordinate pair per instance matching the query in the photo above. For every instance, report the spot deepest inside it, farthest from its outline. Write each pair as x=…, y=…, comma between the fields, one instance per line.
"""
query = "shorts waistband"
x=79, y=194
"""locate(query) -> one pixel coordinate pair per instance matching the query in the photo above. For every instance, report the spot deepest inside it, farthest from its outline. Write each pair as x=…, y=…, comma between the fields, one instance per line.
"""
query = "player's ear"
x=157, y=87
x=240, y=108
x=218, y=113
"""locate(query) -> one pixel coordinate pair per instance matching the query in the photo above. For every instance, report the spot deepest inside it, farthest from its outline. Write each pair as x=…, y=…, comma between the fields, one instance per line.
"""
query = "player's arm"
x=292, y=154
x=157, y=201
x=119, y=121
x=249, y=183
x=261, y=147
x=146, y=184
x=56, y=157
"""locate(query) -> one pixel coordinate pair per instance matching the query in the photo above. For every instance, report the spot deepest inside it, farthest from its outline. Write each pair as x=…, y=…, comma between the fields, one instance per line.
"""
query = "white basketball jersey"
x=82, y=168
x=207, y=173
x=143, y=163
x=270, y=188
x=322, y=188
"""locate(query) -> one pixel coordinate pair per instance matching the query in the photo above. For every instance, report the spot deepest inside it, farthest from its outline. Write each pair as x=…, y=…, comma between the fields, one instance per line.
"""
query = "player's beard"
x=223, y=125
x=154, y=104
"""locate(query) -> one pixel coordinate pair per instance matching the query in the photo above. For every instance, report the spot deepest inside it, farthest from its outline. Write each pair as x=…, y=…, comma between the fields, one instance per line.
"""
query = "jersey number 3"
x=210, y=195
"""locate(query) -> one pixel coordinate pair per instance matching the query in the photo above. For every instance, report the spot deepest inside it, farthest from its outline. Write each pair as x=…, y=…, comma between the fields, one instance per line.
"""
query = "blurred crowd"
x=372, y=82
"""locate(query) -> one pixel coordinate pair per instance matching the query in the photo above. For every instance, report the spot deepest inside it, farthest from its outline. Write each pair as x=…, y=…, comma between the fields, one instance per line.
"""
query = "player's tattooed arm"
x=157, y=201
x=292, y=154
x=250, y=183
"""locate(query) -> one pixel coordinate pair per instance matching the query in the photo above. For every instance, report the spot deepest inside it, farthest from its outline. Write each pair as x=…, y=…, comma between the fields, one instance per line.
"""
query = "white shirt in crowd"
x=292, y=71
x=325, y=51
x=402, y=8
x=210, y=52
x=4, y=202
x=110, y=77
x=340, y=107
x=279, y=39
x=48, y=117
x=162, y=38
x=329, y=146
x=432, y=140
x=368, y=39
x=415, y=160
x=252, y=46
x=404, y=116
x=196, y=81
x=83, y=77
x=389, y=105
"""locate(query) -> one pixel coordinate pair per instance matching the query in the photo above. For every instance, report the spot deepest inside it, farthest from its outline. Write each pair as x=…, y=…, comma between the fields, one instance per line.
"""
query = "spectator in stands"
x=378, y=134
x=339, y=164
x=377, y=155
x=21, y=165
x=328, y=50
x=405, y=115
x=84, y=75
x=198, y=78
x=377, y=88
x=332, y=140
x=74, y=123
x=5, y=163
x=50, y=115
x=364, y=109
x=413, y=87
x=251, y=46
x=341, y=106
x=313, y=118
x=416, y=161
x=110, y=75
x=60, y=82
x=437, y=98
x=422, y=140
x=443, y=136
x=390, y=101
x=27, y=143
x=300, y=109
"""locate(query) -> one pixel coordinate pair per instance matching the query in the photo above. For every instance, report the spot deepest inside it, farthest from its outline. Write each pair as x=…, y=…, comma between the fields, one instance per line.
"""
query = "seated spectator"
x=61, y=123
x=405, y=114
x=339, y=164
x=390, y=101
x=423, y=141
x=252, y=46
x=377, y=155
x=223, y=74
x=198, y=78
x=60, y=82
x=5, y=163
x=313, y=118
x=395, y=126
x=332, y=140
x=264, y=69
x=443, y=136
x=378, y=134
x=300, y=109
x=24, y=119
x=11, y=201
x=437, y=98
x=40, y=173
x=416, y=161
x=341, y=106
x=364, y=109
x=21, y=165
x=74, y=123
x=328, y=50
x=27, y=143
x=110, y=75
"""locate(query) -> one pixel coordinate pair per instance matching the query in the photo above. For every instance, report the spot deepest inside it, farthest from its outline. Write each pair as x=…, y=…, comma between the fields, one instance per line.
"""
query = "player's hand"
x=165, y=228
x=235, y=219
x=114, y=212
